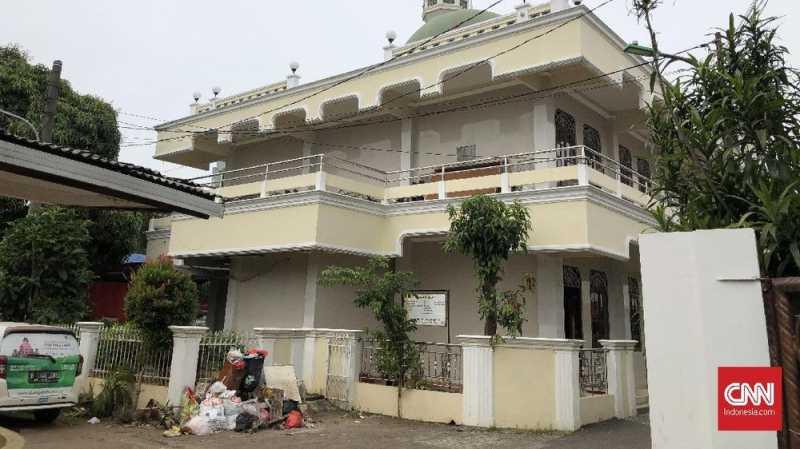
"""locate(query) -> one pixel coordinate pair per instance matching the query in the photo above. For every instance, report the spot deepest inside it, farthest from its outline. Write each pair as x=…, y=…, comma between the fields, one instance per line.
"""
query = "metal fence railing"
x=593, y=372
x=121, y=347
x=214, y=347
x=440, y=366
x=74, y=328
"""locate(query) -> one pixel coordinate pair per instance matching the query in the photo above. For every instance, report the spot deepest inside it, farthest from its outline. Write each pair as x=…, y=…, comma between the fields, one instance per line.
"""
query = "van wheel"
x=47, y=416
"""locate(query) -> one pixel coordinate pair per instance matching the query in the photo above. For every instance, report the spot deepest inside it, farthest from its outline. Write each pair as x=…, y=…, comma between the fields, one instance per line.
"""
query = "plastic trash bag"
x=294, y=420
x=197, y=426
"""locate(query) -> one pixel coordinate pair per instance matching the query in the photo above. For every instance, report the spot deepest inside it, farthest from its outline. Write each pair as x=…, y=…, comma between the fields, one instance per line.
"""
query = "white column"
x=544, y=124
x=621, y=377
x=185, y=351
x=705, y=283
x=89, y=340
x=407, y=144
x=308, y=150
x=567, y=385
x=615, y=156
x=353, y=339
x=550, y=295
x=313, y=268
x=231, y=299
x=478, y=373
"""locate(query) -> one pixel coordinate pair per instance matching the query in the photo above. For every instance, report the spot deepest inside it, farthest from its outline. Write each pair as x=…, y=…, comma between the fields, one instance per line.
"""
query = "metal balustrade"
x=557, y=167
x=122, y=347
x=440, y=366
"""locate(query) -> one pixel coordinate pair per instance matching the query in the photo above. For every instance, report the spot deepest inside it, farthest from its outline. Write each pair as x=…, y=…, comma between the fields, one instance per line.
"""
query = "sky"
x=147, y=57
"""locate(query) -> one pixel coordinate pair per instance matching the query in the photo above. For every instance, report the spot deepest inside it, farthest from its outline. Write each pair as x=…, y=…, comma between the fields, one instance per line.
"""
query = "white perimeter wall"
x=694, y=324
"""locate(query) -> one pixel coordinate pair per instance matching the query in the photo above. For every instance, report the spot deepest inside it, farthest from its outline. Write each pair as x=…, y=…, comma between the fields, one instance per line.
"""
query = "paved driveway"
x=333, y=430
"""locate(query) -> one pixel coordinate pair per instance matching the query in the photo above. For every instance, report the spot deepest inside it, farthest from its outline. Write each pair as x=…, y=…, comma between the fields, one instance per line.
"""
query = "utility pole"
x=49, y=116
x=51, y=102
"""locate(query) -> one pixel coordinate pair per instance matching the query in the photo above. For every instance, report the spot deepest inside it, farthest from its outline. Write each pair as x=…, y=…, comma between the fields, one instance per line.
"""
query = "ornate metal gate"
x=340, y=365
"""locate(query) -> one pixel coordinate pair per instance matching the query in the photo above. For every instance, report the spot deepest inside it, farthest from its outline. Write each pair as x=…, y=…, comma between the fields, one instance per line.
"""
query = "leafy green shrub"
x=489, y=231
x=381, y=290
x=161, y=296
x=44, y=270
x=116, y=399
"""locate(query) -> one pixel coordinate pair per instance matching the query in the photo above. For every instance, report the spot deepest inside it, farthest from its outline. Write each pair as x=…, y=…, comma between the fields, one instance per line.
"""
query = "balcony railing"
x=553, y=168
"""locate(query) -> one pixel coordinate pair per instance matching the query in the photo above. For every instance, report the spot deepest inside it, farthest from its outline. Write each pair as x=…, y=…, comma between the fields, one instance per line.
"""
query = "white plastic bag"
x=198, y=426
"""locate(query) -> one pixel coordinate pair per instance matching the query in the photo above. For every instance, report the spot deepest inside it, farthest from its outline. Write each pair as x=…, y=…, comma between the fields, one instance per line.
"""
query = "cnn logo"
x=749, y=398
x=741, y=394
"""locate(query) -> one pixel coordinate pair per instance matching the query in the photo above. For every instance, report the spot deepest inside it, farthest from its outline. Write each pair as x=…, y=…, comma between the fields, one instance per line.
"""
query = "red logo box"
x=749, y=398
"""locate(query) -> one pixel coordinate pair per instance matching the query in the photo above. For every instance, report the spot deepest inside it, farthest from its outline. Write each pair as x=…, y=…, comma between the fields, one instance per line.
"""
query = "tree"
x=381, y=291
x=44, y=270
x=161, y=296
x=489, y=231
x=728, y=139
x=83, y=122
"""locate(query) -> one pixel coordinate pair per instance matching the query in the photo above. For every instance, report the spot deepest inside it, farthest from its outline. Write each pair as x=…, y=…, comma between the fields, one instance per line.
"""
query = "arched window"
x=635, y=295
x=591, y=139
x=626, y=162
x=598, y=294
x=566, y=137
x=643, y=167
x=573, y=323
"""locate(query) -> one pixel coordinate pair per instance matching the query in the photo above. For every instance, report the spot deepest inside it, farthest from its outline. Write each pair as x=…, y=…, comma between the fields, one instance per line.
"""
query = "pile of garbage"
x=238, y=401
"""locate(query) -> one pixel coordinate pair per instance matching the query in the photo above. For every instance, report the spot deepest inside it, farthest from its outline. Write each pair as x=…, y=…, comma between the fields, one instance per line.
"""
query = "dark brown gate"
x=783, y=328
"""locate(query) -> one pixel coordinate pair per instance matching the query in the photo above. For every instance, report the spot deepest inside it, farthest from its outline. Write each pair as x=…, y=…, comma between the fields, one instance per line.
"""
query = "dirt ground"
x=333, y=430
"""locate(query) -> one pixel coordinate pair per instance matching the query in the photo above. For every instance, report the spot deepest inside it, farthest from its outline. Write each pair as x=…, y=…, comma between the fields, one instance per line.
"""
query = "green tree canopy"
x=44, y=269
x=489, y=231
x=728, y=139
x=82, y=121
x=161, y=296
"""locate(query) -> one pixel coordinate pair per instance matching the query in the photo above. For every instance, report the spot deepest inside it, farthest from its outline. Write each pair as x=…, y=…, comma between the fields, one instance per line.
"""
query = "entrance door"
x=573, y=324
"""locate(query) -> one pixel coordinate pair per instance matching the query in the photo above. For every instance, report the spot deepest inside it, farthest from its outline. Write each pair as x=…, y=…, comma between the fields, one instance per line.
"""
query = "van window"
x=23, y=344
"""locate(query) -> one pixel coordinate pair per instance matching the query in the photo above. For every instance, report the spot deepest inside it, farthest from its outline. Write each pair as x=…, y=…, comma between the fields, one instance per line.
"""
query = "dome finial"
x=433, y=8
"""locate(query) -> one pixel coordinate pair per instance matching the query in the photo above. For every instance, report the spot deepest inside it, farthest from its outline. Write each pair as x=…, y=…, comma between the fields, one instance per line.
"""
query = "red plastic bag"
x=294, y=420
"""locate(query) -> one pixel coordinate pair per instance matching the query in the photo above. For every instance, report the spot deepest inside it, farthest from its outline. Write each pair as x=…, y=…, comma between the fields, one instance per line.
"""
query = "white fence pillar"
x=478, y=372
x=567, y=384
x=621, y=377
x=268, y=337
x=89, y=341
x=183, y=369
x=703, y=309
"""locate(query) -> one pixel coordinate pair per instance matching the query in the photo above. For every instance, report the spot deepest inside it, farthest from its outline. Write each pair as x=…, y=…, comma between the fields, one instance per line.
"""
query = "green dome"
x=445, y=21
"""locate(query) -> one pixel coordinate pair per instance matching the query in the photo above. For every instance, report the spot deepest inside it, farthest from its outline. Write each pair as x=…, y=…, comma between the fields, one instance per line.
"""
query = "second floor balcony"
x=580, y=201
x=560, y=167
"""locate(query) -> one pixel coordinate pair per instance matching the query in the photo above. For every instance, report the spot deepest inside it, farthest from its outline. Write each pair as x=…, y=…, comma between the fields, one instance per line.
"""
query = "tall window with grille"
x=635, y=295
x=643, y=167
x=626, y=165
x=573, y=322
x=599, y=301
x=566, y=139
x=591, y=139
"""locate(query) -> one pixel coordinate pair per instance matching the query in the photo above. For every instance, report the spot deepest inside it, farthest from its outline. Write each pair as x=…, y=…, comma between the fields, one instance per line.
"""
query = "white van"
x=38, y=368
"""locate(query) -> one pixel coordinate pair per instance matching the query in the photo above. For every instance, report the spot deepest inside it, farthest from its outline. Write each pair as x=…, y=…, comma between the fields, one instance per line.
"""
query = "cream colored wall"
x=563, y=224
x=146, y=392
x=269, y=290
x=596, y=409
x=282, y=226
x=437, y=270
x=417, y=405
x=524, y=388
x=503, y=129
x=335, y=308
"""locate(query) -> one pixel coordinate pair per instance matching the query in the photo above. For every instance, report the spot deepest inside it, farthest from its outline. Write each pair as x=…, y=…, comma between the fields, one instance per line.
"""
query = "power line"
x=456, y=75
x=496, y=100
x=368, y=69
